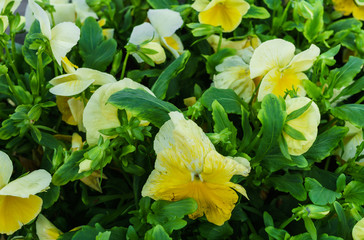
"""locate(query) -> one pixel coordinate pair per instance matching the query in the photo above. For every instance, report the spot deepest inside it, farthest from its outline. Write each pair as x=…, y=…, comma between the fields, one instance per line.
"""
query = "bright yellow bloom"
x=188, y=166
x=274, y=60
x=46, y=230
x=18, y=203
x=349, y=6
x=307, y=124
x=224, y=13
x=352, y=139
x=99, y=115
x=358, y=230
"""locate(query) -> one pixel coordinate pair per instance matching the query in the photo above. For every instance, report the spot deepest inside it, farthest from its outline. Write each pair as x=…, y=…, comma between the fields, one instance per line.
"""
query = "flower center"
x=196, y=177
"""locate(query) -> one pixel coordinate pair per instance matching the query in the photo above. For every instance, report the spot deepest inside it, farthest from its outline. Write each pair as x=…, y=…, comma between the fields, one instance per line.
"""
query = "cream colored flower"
x=18, y=203
x=251, y=41
x=225, y=13
x=350, y=6
x=46, y=230
x=160, y=31
x=358, y=230
x=100, y=115
x=188, y=166
x=234, y=74
x=352, y=139
x=274, y=60
x=307, y=124
x=62, y=37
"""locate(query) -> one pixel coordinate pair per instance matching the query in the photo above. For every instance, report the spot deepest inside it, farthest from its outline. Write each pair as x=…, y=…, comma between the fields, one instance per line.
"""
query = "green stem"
x=40, y=73
x=124, y=65
x=288, y=221
x=12, y=88
x=11, y=62
x=13, y=48
x=251, y=226
x=220, y=41
x=255, y=140
x=360, y=100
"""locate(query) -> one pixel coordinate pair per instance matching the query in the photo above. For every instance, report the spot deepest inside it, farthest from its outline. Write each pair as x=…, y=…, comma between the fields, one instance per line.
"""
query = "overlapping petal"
x=165, y=21
x=45, y=229
x=42, y=17
x=6, y=169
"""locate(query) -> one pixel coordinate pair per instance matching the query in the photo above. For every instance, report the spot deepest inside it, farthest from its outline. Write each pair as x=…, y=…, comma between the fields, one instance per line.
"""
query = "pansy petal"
x=71, y=88
x=352, y=139
x=173, y=44
x=358, y=13
x=83, y=10
x=45, y=229
x=184, y=135
x=304, y=60
x=76, y=107
x=100, y=78
x=64, y=13
x=141, y=33
x=42, y=17
x=18, y=211
x=160, y=56
x=30, y=184
x=6, y=169
x=64, y=108
x=306, y=123
x=358, y=230
x=344, y=6
x=64, y=36
x=165, y=21
x=99, y=115
x=200, y=5
x=271, y=54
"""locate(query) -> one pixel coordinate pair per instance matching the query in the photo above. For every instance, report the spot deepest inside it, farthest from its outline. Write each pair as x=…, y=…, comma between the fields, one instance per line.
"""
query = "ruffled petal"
x=16, y=212
x=165, y=21
x=64, y=36
x=307, y=124
x=184, y=135
x=100, y=78
x=42, y=17
x=6, y=169
x=46, y=230
x=304, y=60
x=71, y=88
x=269, y=55
x=141, y=33
x=30, y=184
x=99, y=115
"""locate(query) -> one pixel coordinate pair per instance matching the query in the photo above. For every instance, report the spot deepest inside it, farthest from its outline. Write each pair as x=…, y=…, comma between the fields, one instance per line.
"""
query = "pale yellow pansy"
x=45, y=229
x=83, y=10
x=307, y=124
x=18, y=203
x=62, y=37
x=100, y=115
x=78, y=81
x=358, y=230
x=352, y=139
x=188, y=166
x=274, y=60
x=348, y=7
x=160, y=31
x=234, y=74
x=71, y=109
x=225, y=13
x=251, y=41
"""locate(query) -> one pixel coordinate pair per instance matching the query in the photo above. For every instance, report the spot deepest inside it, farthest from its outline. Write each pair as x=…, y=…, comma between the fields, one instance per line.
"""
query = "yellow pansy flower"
x=274, y=60
x=18, y=203
x=348, y=7
x=188, y=166
x=352, y=139
x=45, y=229
x=306, y=123
x=99, y=115
x=224, y=13
x=358, y=230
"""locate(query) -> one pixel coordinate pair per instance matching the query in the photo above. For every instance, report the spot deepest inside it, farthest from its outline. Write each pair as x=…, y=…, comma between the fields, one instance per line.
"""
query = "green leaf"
x=277, y=233
x=247, y=129
x=325, y=143
x=284, y=147
x=272, y=116
x=160, y=87
x=257, y=12
x=103, y=236
x=50, y=196
x=143, y=105
x=217, y=58
x=310, y=227
x=226, y=97
x=354, y=113
x=161, y=4
x=341, y=183
x=318, y=194
x=352, y=89
x=268, y=220
x=88, y=233
x=222, y=121
x=315, y=25
x=212, y=232
x=344, y=227
x=138, y=75
x=296, y=113
x=290, y=183
x=342, y=77
x=157, y=233
x=293, y=132
x=273, y=4
x=96, y=52
x=354, y=192
x=312, y=90
x=344, y=24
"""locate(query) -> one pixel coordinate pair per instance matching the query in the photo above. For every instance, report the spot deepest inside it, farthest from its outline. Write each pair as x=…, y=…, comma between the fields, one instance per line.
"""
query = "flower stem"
x=220, y=41
x=360, y=100
x=288, y=221
x=12, y=88
x=11, y=62
x=124, y=65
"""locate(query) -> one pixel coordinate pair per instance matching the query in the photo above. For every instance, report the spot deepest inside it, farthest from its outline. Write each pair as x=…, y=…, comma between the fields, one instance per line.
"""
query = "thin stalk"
x=11, y=62
x=360, y=100
x=220, y=41
x=12, y=87
x=288, y=221
x=124, y=65
x=251, y=226
x=40, y=73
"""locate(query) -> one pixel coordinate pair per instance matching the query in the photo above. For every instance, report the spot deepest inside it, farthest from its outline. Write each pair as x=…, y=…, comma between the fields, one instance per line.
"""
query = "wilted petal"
x=18, y=211
x=165, y=21
x=30, y=184
x=6, y=169
x=271, y=54
x=64, y=37
x=307, y=124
